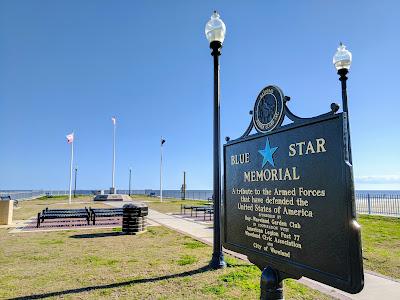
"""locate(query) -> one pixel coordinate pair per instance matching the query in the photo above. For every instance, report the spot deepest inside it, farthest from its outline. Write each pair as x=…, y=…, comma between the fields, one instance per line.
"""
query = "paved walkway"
x=376, y=286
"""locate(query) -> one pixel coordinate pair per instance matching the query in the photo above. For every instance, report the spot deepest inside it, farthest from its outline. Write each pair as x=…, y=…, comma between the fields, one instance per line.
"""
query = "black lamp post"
x=215, y=33
x=342, y=61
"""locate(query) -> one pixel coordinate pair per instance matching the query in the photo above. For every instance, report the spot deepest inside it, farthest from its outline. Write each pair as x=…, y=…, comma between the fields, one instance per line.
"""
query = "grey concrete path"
x=376, y=286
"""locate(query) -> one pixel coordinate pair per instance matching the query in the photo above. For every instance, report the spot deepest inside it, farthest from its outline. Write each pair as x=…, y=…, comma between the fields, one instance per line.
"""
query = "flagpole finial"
x=70, y=138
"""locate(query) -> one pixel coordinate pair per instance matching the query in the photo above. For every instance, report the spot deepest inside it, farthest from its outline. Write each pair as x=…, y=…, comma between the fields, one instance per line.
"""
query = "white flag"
x=70, y=138
x=114, y=120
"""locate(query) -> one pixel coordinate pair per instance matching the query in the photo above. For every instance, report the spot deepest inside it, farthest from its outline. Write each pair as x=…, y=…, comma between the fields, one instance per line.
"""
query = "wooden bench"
x=104, y=212
x=204, y=209
x=209, y=211
x=185, y=207
x=63, y=214
x=194, y=208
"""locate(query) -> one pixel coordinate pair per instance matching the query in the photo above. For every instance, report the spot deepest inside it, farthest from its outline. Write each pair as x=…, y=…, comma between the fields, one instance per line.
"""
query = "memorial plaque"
x=289, y=202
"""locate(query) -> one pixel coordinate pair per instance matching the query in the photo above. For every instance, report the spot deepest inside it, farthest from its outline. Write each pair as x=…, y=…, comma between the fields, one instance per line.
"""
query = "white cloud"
x=378, y=179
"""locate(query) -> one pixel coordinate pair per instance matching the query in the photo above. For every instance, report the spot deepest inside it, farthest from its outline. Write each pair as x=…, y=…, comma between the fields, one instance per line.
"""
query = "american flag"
x=70, y=138
x=114, y=120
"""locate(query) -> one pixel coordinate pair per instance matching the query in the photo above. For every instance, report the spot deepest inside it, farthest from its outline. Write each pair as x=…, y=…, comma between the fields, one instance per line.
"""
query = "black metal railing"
x=378, y=204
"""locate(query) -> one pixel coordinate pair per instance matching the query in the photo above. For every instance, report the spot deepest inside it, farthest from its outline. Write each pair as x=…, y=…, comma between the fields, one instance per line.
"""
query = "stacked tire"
x=134, y=219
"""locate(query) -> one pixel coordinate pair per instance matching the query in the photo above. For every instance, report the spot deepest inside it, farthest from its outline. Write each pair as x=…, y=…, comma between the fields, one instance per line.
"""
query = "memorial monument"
x=113, y=196
x=289, y=195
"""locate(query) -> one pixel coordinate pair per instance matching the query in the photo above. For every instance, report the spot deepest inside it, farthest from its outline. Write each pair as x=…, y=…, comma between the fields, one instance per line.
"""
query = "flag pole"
x=161, y=143
x=113, y=166
x=70, y=171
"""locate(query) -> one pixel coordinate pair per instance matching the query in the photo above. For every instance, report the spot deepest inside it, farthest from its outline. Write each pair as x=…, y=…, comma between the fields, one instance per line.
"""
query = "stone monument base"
x=112, y=197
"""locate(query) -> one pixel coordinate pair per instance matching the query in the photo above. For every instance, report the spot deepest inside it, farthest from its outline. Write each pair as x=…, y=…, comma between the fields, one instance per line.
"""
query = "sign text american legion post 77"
x=289, y=195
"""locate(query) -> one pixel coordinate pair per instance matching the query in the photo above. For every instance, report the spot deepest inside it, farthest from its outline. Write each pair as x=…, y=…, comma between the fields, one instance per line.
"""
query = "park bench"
x=63, y=214
x=185, y=207
x=209, y=211
x=194, y=208
x=104, y=213
x=204, y=209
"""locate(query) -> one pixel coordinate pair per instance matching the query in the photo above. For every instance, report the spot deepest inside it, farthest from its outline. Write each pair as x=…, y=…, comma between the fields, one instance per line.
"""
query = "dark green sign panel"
x=289, y=202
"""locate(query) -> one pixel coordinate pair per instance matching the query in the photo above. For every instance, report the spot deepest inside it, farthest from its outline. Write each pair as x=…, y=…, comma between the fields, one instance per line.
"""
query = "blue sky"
x=71, y=65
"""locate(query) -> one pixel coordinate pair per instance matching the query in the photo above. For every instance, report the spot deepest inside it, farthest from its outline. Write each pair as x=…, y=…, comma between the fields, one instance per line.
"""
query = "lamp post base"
x=217, y=261
x=271, y=285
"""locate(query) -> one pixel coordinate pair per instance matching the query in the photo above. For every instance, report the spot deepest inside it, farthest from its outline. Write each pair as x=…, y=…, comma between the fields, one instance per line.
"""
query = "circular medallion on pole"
x=268, y=109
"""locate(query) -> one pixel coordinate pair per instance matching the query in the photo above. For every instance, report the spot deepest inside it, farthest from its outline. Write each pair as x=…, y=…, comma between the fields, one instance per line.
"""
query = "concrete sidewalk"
x=376, y=286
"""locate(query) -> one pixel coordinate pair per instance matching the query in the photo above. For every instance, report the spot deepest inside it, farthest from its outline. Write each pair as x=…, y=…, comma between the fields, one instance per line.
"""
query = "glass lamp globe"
x=215, y=29
x=342, y=58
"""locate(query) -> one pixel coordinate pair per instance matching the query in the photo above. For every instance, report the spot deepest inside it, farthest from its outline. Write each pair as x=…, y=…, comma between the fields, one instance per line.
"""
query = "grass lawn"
x=169, y=205
x=104, y=264
x=158, y=264
x=380, y=237
x=381, y=244
x=30, y=208
x=173, y=206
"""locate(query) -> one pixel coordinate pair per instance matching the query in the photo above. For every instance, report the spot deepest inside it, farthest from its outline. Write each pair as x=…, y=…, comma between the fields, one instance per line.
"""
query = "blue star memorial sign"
x=267, y=154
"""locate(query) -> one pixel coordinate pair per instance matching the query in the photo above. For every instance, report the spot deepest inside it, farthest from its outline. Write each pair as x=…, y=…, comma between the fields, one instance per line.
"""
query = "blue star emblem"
x=267, y=154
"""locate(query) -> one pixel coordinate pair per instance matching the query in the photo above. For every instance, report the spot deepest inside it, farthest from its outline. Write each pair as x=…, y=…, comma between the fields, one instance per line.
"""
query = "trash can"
x=6, y=211
x=134, y=218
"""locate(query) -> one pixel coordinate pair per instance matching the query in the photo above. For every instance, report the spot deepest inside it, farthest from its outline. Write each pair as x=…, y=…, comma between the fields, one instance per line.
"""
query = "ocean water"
x=190, y=194
x=378, y=192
